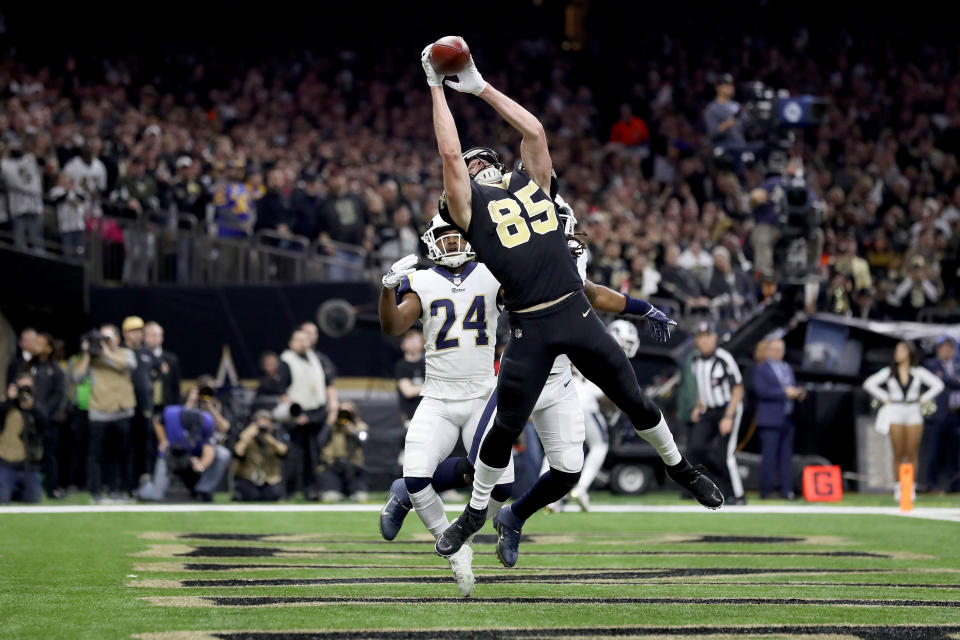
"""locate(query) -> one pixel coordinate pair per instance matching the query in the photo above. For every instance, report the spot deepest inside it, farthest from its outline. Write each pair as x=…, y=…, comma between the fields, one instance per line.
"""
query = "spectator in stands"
x=852, y=265
x=342, y=457
x=71, y=208
x=49, y=394
x=260, y=451
x=864, y=305
x=275, y=209
x=136, y=195
x=644, y=278
x=21, y=444
x=21, y=175
x=837, y=296
x=187, y=448
x=89, y=175
x=304, y=409
x=344, y=218
x=234, y=203
x=916, y=291
x=777, y=392
x=187, y=193
x=679, y=283
x=629, y=130
x=410, y=373
x=698, y=262
x=165, y=372
x=881, y=257
x=943, y=427
x=609, y=267
x=728, y=284
x=398, y=240
x=112, y=402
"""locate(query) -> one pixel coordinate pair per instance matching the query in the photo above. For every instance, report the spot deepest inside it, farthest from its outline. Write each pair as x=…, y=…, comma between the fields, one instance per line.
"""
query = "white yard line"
x=932, y=513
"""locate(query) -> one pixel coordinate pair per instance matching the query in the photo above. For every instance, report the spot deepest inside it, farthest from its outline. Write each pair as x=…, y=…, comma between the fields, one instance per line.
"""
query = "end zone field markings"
x=188, y=551
x=299, y=601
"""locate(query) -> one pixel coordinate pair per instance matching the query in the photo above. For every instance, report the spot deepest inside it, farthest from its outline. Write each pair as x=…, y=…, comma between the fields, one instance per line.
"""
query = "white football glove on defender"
x=434, y=79
x=470, y=80
x=402, y=267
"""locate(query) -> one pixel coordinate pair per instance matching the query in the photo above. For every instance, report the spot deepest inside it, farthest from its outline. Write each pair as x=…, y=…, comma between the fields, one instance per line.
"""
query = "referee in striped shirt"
x=716, y=418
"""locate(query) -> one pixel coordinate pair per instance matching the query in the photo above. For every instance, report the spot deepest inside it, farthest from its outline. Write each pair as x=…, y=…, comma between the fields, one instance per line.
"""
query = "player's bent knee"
x=565, y=478
x=416, y=485
x=570, y=460
x=646, y=416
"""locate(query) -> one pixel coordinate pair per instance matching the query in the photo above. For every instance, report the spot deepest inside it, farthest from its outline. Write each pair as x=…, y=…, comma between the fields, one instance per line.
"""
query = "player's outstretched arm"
x=606, y=299
x=533, y=147
x=397, y=318
x=456, y=180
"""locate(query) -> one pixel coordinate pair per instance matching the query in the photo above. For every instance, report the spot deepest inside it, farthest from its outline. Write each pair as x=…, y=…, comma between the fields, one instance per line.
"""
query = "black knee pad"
x=415, y=485
x=502, y=492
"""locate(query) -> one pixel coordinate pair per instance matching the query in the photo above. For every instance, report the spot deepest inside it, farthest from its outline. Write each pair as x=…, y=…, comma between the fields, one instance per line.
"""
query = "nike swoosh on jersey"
x=566, y=383
x=585, y=313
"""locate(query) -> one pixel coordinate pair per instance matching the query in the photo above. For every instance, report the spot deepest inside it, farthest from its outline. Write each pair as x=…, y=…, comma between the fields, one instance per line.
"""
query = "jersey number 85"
x=512, y=229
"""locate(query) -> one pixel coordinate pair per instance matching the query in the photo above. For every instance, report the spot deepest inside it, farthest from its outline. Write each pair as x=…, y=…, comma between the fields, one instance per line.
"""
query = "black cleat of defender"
x=696, y=482
x=454, y=537
x=508, y=542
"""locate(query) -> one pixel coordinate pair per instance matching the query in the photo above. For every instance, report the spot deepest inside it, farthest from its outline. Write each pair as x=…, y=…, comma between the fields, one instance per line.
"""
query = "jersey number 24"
x=475, y=320
x=512, y=229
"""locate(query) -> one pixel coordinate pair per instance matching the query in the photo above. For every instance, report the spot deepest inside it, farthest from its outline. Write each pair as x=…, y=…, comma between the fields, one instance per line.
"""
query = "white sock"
x=484, y=480
x=429, y=507
x=662, y=440
x=592, y=464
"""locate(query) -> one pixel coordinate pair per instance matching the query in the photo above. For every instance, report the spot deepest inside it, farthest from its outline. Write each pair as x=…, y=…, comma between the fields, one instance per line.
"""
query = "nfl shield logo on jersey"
x=518, y=333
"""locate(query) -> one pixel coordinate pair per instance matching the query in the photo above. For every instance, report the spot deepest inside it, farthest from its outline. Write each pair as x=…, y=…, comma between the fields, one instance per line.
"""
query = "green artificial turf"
x=67, y=575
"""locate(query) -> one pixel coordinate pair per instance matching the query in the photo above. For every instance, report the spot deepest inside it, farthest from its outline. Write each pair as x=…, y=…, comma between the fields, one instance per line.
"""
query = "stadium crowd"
x=316, y=148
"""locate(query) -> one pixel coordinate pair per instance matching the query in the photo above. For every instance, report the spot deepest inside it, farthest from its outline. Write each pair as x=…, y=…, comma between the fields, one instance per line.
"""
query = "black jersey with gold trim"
x=515, y=231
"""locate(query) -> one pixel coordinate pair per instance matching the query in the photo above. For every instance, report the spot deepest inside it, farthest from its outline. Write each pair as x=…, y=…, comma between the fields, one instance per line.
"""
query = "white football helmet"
x=626, y=335
x=437, y=250
x=565, y=213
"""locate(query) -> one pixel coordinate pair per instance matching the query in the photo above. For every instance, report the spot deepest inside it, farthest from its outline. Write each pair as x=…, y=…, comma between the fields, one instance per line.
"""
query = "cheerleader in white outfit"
x=903, y=388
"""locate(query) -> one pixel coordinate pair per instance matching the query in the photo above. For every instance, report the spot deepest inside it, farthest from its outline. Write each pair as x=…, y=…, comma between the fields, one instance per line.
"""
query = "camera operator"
x=771, y=208
x=260, y=451
x=187, y=448
x=343, y=472
x=21, y=443
x=722, y=118
x=112, y=402
x=305, y=406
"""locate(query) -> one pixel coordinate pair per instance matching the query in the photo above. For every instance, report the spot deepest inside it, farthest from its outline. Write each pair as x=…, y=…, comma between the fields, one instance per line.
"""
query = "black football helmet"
x=493, y=173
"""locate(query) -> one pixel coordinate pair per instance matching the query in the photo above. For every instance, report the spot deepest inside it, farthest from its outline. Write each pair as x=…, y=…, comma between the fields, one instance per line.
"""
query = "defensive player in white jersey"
x=456, y=301
x=597, y=435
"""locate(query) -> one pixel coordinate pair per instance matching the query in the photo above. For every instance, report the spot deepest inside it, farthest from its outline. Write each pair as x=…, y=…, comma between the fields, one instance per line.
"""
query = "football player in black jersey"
x=511, y=223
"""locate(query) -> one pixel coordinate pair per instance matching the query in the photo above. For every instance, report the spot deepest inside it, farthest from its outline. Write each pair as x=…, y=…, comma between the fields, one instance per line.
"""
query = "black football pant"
x=572, y=327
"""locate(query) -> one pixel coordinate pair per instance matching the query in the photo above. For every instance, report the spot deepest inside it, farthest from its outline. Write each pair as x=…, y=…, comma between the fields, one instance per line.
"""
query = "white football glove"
x=403, y=266
x=434, y=79
x=470, y=80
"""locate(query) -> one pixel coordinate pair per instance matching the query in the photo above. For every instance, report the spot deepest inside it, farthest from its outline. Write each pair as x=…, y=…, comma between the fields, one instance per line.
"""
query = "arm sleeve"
x=935, y=385
x=873, y=384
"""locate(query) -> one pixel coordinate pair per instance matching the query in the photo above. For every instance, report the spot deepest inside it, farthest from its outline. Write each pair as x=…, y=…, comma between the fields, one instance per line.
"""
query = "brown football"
x=449, y=55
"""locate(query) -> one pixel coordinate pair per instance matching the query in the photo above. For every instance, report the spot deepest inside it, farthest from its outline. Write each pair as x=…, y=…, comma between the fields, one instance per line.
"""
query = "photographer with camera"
x=110, y=368
x=342, y=457
x=187, y=448
x=304, y=408
x=21, y=443
x=260, y=451
x=784, y=207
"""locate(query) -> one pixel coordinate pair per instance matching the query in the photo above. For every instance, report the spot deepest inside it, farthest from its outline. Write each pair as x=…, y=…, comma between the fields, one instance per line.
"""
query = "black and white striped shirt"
x=716, y=376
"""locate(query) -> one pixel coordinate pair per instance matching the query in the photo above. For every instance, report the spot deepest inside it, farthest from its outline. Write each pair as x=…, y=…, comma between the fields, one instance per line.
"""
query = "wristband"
x=637, y=307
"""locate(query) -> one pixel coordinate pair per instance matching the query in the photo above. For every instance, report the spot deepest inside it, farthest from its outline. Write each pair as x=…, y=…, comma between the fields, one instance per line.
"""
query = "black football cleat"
x=457, y=534
x=395, y=510
x=696, y=482
x=508, y=542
